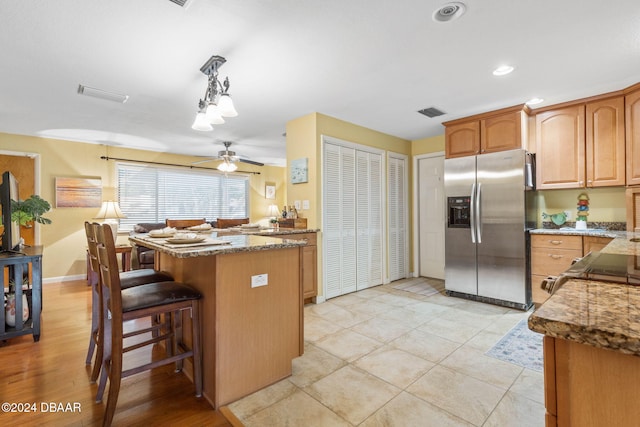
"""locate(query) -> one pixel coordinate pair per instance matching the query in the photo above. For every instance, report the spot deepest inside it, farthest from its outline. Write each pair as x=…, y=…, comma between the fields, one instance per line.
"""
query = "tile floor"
x=391, y=357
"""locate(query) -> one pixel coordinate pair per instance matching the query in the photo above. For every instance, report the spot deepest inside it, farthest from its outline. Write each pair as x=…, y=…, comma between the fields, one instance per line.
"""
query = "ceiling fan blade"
x=251, y=162
x=204, y=161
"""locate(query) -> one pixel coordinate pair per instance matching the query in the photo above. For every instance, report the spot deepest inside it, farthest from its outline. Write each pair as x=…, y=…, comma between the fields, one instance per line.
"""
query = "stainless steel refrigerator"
x=490, y=208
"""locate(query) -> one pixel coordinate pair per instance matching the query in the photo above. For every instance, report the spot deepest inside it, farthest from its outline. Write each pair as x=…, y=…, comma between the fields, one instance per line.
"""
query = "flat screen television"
x=9, y=192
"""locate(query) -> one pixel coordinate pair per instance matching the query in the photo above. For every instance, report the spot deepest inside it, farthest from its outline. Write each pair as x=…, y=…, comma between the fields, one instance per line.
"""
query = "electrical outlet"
x=568, y=214
x=305, y=205
x=259, y=280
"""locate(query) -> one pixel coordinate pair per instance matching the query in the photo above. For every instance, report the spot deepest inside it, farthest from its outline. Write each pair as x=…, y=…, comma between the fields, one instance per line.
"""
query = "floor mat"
x=520, y=346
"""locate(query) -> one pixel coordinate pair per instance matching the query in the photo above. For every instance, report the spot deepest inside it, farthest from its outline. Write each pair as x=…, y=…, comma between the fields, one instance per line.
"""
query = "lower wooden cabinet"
x=551, y=254
x=589, y=386
x=309, y=264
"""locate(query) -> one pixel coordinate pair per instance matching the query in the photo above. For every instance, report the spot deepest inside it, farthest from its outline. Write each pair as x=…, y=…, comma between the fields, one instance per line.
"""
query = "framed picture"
x=78, y=192
x=299, y=170
x=270, y=190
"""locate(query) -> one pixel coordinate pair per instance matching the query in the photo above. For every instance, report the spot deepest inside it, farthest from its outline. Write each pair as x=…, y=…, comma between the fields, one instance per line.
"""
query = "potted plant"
x=27, y=211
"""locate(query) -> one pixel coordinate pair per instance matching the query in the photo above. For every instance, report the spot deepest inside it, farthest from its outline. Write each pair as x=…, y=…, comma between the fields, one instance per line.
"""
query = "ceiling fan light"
x=225, y=106
x=213, y=115
x=201, y=123
x=227, y=166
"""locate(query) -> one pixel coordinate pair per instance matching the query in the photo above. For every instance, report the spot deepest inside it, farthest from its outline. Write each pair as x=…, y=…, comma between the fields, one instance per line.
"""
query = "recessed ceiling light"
x=534, y=101
x=449, y=12
x=502, y=70
x=102, y=94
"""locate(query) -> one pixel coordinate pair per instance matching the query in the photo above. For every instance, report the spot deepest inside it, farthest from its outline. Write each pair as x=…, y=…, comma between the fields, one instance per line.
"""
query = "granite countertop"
x=275, y=232
x=601, y=314
x=598, y=313
x=568, y=231
x=233, y=243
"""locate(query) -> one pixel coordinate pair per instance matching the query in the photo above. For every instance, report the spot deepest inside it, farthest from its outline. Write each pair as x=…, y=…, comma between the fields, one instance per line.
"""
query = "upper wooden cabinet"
x=503, y=132
x=581, y=145
x=632, y=125
x=462, y=139
x=560, y=148
x=486, y=133
x=605, y=142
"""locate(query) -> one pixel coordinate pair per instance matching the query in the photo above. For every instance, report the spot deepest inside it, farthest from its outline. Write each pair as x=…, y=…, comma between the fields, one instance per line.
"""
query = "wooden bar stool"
x=184, y=223
x=148, y=300
x=229, y=222
x=128, y=279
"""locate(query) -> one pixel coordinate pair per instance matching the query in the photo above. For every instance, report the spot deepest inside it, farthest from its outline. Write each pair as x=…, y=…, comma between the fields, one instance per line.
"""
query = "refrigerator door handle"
x=472, y=213
x=478, y=213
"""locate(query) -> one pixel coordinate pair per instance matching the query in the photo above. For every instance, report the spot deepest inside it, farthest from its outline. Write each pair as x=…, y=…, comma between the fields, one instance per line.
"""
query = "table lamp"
x=273, y=213
x=109, y=214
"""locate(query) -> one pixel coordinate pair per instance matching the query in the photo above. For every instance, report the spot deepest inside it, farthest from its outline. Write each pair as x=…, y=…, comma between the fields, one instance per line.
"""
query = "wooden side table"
x=125, y=250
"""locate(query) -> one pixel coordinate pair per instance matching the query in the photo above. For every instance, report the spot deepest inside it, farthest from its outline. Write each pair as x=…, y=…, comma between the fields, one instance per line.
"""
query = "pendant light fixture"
x=217, y=102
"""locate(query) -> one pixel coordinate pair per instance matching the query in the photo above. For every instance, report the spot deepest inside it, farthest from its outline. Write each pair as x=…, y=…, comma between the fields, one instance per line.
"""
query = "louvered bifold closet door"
x=369, y=209
x=398, y=217
x=339, y=220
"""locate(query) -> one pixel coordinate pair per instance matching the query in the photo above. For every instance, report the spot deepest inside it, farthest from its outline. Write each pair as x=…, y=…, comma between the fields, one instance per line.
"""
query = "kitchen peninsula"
x=592, y=347
x=251, y=312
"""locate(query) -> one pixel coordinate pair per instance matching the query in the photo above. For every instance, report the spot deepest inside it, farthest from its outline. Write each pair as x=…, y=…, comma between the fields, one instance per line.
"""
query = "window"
x=152, y=194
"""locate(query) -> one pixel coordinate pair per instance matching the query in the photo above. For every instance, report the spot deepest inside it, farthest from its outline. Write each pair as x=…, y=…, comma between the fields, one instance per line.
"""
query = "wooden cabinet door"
x=500, y=133
x=560, y=143
x=309, y=272
x=462, y=139
x=632, y=129
x=309, y=263
x=605, y=147
x=594, y=243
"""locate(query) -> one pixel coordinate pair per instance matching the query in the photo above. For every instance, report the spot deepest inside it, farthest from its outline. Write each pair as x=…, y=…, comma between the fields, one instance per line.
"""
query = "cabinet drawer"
x=537, y=293
x=546, y=261
x=557, y=241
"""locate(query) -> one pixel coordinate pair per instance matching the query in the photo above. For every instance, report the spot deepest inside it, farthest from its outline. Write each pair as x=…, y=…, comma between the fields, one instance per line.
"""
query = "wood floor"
x=53, y=371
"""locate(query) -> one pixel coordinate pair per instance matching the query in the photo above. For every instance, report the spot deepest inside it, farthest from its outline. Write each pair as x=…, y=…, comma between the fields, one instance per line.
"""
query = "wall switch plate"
x=305, y=205
x=568, y=214
x=259, y=280
x=297, y=205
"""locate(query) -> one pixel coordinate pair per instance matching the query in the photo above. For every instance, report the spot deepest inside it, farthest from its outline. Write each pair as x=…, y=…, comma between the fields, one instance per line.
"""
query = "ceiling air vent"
x=181, y=3
x=431, y=112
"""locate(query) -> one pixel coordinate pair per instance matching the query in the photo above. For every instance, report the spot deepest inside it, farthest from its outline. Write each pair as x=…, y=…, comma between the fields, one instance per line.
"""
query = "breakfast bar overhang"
x=251, y=312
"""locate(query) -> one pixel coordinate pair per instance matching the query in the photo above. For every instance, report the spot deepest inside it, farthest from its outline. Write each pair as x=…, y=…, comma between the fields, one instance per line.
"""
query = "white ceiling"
x=369, y=62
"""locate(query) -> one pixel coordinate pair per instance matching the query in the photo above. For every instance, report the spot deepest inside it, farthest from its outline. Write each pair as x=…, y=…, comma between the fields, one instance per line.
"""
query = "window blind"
x=152, y=194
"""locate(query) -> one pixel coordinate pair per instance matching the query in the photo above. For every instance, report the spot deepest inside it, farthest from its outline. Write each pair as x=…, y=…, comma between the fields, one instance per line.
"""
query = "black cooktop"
x=612, y=267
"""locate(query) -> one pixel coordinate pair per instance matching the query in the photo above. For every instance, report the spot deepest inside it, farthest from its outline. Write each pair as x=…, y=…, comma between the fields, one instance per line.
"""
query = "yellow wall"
x=64, y=241
x=429, y=145
x=605, y=204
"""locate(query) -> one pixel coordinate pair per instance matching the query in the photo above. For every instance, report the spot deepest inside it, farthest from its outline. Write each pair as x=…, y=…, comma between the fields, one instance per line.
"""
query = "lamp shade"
x=225, y=106
x=110, y=210
x=273, y=211
x=213, y=115
x=201, y=123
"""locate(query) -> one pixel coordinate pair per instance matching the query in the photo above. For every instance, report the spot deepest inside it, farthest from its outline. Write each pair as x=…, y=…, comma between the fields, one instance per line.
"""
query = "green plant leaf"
x=29, y=210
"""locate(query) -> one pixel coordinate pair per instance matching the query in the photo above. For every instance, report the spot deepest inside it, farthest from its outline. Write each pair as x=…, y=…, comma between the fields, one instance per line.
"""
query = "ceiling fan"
x=229, y=159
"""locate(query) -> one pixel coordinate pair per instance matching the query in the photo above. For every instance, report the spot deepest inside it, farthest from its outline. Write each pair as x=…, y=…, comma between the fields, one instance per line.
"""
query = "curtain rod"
x=169, y=164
